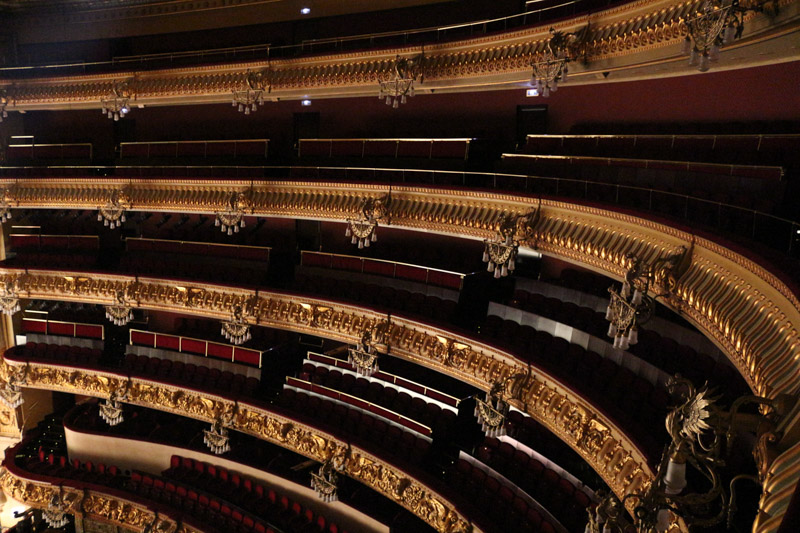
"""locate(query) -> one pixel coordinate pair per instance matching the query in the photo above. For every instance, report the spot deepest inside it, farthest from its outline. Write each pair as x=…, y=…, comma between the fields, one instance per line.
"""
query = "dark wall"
x=753, y=95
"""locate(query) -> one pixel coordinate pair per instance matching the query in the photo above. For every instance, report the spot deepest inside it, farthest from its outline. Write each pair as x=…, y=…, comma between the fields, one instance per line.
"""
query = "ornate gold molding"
x=743, y=307
x=358, y=464
x=92, y=503
x=640, y=28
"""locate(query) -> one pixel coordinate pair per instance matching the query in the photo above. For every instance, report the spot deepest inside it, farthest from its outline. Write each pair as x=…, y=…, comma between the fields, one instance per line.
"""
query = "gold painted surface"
x=92, y=503
x=634, y=28
x=390, y=481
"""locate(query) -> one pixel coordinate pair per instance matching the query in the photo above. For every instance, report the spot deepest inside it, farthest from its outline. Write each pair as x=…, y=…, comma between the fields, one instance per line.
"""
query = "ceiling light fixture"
x=9, y=302
x=500, y=253
x=550, y=65
x=716, y=23
x=120, y=313
x=112, y=214
x=217, y=438
x=230, y=220
x=116, y=105
x=364, y=357
x=257, y=83
x=398, y=88
x=364, y=230
x=55, y=514
x=3, y=104
x=632, y=306
x=305, y=10
x=236, y=330
x=325, y=481
x=492, y=411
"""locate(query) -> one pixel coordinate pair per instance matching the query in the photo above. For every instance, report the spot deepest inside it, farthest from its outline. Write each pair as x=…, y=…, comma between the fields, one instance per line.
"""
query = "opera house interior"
x=407, y=266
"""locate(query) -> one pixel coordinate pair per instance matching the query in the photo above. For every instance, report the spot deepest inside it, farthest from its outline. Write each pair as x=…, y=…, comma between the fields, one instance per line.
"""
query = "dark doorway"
x=530, y=119
x=306, y=126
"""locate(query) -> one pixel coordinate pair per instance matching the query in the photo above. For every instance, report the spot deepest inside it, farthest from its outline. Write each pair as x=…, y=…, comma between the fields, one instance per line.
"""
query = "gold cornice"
x=720, y=287
x=581, y=425
x=95, y=504
x=310, y=442
x=658, y=24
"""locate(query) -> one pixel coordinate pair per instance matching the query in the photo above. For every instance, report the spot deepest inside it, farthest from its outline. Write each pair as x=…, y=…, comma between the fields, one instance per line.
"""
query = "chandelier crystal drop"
x=500, y=255
x=715, y=24
x=117, y=104
x=325, y=482
x=236, y=330
x=217, y=438
x=112, y=215
x=491, y=414
x=230, y=220
x=397, y=90
x=251, y=97
x=111, y=412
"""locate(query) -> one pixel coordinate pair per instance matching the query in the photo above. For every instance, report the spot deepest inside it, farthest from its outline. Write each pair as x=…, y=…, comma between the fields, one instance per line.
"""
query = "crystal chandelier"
x=230, y=220
x=5, y=208
x=249, y=99
x=11, y=390
x=500, y=253
x=363, y=231
x=112, y=214
x=120, y=313
x=9, y=303
x=111, y=412
x=116, y=105
x=55, y=514
x=3, y=104
x=407, y=71
x=632, y=306
x=702, y=436
x=492, y=411
x=364, y=357
x=217, y=438
x=325, y=482
x=550, y=65
x=236, y=330
x=715, y=24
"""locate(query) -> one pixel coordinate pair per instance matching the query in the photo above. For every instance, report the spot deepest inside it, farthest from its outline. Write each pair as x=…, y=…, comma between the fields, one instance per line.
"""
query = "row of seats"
x=661, y=352
x=199, y=328
x=356, y=424
x=373, y=294
x=210, y=510
x=364, y=265
x=756, y=188
x=27, y=242
x=250, y=148
x=170, y=265
x=497, y=500
x=385, y=148
x=632, y=401
x=60, y=466
x=49, y=151
x=197, y=376
x=196, y=248
x=557, y=494
x=738, y=149
x=53, y=260
x=62, y=353
x=254, y=497
x=430, y=414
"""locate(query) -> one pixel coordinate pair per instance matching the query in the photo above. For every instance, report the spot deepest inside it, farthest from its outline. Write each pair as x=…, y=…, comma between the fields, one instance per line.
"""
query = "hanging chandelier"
x=230, y=220
x=492, y=411
x=324, y=482
x=217, y=438
x=116, y=105
x=550, y=66
x=702, y=437
x=111, y=412
x=11, y=390
x=9, y=302
x=632, y=306
x=3, y=104
x=364, y=357
x=120, y=313
x=364, y=230
x=236, y=330
x=500, y=253
x=252, y=96
x=407, y=71
x=55, y=514
x=112, y=215
x=5, y=208
x=716, y=23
